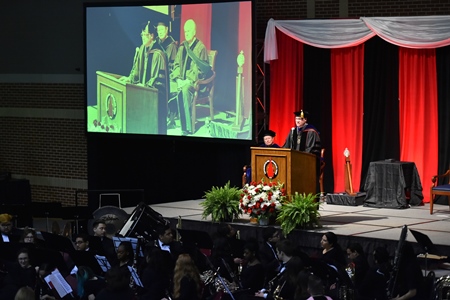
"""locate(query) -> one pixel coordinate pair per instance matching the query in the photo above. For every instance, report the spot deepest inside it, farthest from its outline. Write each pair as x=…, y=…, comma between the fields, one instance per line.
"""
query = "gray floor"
x=361, y=221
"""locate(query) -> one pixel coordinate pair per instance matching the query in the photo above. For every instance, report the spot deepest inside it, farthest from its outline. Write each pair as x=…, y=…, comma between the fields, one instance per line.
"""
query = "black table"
x=388, y=182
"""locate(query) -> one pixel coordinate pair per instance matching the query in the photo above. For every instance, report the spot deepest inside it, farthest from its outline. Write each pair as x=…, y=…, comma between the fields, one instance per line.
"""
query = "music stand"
x=87, y=258
x=58, y=242
x=424, y=241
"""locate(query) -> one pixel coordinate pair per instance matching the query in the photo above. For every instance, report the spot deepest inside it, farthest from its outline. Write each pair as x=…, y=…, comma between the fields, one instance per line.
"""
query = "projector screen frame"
x=246, y=137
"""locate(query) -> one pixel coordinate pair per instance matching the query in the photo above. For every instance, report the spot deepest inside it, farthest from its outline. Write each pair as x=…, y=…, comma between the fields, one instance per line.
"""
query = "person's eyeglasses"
x=79, y=242
x=6, y=225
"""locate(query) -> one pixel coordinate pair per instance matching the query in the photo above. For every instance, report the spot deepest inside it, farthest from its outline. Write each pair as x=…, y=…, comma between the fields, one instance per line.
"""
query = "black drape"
x=443, y=79
x=381, y=137
x=317, y=100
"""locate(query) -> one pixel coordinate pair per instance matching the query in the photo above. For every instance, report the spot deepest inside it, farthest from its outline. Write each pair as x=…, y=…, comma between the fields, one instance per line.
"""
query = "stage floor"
x=357, y=221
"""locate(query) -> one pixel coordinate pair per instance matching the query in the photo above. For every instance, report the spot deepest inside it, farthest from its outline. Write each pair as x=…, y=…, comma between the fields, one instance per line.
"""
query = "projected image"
x=179, y=70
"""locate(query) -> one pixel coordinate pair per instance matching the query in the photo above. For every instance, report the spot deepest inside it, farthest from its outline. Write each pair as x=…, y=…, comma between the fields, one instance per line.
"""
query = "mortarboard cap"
x=269, y=133
x=301, y=114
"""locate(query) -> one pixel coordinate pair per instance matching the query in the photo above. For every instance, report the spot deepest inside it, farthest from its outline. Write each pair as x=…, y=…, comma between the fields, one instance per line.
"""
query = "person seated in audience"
x=25, y=293
x=316, y=289
x=252, y=274
x=117, y=286
x=106, y=245
x=88, y=284
x=358, y=265
x=82, y=242
x=20, y=273
x=186, y=279
x=301, y=292
x=375, y=284
x=222, y=259
x=29, y=235
x=171, y=248
x=285, y=282
x=125, y=255
x=332, y=252
x=268, y=252
x=154, y=277
x=409, y=275
x=8, y=232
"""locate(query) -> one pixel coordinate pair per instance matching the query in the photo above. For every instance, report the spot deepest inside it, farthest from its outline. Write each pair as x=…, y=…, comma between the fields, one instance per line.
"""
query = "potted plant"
x=301, y=212
x=222, y=203
x=262, y=200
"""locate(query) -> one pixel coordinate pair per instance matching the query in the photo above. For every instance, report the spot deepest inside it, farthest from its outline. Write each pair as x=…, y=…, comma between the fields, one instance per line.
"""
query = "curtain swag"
x=423, y=32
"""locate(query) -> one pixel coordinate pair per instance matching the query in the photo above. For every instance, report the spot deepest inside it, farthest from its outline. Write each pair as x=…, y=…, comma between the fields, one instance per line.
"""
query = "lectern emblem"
x=111, y=106
x=270, y=169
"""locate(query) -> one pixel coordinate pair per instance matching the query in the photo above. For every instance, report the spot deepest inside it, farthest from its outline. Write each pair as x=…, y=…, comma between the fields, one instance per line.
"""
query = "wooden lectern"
x=297, y=170
x=130, y=108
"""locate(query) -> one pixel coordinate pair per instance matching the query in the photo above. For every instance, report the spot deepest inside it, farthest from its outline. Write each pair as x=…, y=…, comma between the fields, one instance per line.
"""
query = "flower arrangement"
x=262, y=199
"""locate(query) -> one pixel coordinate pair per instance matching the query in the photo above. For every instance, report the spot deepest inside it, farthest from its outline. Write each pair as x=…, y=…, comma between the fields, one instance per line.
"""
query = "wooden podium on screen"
x=297, y=170
x=130, y=108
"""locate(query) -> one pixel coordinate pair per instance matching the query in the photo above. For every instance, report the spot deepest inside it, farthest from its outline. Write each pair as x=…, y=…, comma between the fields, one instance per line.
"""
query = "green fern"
x=222, y=203
x=301, y=212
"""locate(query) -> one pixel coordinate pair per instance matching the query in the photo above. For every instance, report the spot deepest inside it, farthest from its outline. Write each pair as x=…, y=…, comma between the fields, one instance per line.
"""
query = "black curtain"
x=317, y=101
x=443, y=79
x=381, y=136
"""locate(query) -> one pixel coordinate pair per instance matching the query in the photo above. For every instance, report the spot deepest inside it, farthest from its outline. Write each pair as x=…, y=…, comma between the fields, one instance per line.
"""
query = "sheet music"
x=57, y=282
x=135, y=275
x=103, y=263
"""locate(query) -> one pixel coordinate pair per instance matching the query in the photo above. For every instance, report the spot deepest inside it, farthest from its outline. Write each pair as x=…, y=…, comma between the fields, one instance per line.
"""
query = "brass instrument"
x=277, y=291
x=443, y=288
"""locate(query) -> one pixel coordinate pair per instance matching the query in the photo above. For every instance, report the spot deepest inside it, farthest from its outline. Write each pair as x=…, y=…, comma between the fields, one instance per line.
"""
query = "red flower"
x=272, y=204
x=271, y=210
x=249, y=197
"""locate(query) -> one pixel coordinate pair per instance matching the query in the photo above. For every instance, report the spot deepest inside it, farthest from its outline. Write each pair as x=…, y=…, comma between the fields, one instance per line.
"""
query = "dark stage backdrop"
x=359, y=96
x=168, y=170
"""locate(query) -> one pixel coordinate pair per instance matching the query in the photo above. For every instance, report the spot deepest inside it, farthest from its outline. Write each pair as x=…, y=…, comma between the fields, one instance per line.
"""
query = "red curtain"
x=201, y=14
x=286, y=91
x=418, y=112
x=347, y=93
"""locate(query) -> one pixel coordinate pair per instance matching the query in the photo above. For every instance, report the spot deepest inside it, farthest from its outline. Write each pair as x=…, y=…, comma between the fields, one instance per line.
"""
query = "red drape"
x=347, y=88
x=286, y=86
x=201, y=14
x=418, y=112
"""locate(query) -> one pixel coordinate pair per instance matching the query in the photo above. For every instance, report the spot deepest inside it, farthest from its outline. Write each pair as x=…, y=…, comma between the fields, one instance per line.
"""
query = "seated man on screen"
x=269, y=139
x=303, y=137
x=190, y=65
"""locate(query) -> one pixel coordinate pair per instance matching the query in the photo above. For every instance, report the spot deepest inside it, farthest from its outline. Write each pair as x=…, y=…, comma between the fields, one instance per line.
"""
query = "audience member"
x=25, y=293
x=375, y=284
x=155, y=277
x=88, y=284
x=20, y=274
x=409, y=275
x=268, y=252
x=82, y=242
x=316, y=289
x=186, y=279
x=252, y=274
x=358, y=265
x=6, y=229
x=332, y=252
x=117, y=286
